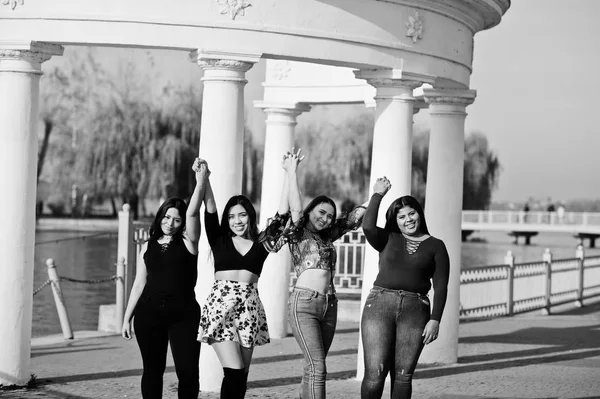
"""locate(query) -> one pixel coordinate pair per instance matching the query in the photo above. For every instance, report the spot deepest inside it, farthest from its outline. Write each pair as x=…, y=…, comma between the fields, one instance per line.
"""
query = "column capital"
x=282, y=113
x=208, y=59
x=393, y=84
x=270, y=107
x=462, y=97
x=26, y=57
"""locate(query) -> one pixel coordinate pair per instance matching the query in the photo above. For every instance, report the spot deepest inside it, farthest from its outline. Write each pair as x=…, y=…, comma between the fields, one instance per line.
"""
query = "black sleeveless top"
x=172, y=273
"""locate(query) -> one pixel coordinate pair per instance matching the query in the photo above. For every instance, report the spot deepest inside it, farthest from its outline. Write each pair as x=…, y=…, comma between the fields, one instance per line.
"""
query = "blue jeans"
x=392, y=326
x=313, y=318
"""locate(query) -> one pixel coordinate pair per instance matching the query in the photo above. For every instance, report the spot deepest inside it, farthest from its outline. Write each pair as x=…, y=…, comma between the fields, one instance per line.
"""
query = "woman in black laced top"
x=162, y=298
x=233, y=319
x=396, y=321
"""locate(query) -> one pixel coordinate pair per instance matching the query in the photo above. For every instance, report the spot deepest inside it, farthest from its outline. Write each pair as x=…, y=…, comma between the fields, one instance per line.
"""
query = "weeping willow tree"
x=67, y=96
x=338, y=158
x=481, y=170
x=339, y=162
x=136, y=149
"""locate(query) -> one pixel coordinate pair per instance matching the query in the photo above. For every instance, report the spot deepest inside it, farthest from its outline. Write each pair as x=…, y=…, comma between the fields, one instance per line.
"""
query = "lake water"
x=94, y=257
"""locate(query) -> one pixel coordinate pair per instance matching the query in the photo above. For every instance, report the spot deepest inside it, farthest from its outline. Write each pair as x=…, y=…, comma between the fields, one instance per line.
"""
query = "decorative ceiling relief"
x=12, y=3
x=281, y=69
x=232, y=7
x=414, y=27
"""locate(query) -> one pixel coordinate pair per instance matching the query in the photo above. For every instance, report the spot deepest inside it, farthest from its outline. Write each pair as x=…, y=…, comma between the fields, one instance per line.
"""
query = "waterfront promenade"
x=525, y=356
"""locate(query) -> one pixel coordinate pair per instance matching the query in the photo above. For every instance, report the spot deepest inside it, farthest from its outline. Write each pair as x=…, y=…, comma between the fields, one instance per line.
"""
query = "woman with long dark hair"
x=233, y=319
x=162, y=302
x=397, y=320
x=312, y=306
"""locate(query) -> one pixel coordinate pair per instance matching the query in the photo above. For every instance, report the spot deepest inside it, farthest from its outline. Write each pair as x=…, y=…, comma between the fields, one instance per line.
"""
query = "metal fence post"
x=61, y=309
x=580, y=255
x=547, y=258
x=125, y=247
x=509, y=259
x=120, y=295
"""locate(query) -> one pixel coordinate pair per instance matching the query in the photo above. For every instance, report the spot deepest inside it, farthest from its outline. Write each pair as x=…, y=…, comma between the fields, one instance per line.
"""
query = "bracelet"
x=296, y=210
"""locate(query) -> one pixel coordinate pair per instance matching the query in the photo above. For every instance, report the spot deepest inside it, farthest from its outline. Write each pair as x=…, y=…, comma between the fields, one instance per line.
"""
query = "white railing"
x=520, y=287
x=521, y=217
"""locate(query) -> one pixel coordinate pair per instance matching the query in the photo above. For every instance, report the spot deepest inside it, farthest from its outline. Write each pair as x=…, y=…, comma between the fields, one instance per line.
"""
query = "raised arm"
x=376, y=236
x=284, y=202
x=192, y=230
x=290, y=164
x=209, y=198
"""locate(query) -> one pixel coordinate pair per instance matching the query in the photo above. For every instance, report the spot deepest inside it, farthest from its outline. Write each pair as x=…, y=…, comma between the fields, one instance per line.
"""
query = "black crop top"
x=171, y=273
x=224, y=252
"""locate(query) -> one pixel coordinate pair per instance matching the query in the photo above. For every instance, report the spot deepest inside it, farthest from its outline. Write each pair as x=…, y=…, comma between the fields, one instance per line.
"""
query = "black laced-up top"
x=172, y=271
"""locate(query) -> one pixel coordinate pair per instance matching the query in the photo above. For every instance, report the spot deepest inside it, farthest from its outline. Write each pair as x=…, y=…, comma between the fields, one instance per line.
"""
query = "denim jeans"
x=313, y=318
x=392, y=326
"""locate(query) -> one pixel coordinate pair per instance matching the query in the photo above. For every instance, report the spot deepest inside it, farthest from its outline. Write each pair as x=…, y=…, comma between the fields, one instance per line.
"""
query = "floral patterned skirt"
x=233, y=312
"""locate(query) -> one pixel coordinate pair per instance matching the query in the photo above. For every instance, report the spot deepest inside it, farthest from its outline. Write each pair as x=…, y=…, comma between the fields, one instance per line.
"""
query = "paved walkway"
x=528, y=356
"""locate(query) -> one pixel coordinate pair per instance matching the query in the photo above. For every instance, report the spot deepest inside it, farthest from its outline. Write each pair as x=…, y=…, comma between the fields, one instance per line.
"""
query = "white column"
x=20, y=71
x=392, y=157
x=221, y=144
x=275, y=278
x=443, y=204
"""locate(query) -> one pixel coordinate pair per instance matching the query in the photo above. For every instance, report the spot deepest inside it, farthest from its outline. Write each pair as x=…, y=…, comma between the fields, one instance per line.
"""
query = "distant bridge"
x=583, y=225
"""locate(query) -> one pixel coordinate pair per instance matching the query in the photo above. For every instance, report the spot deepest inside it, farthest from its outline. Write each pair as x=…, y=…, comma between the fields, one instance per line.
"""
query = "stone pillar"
x=221, y=144
x=443, y=204
x=275, y=278
x=20, y=71
x=392, y=156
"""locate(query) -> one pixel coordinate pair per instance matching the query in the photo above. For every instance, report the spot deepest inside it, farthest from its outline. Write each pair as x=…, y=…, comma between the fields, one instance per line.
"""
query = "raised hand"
x=200, y=167
x=292, y=159
x=382, y=185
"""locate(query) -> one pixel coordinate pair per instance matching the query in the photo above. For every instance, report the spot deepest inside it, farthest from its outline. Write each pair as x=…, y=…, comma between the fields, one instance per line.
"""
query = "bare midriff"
x=241, y=276
x=315, y=279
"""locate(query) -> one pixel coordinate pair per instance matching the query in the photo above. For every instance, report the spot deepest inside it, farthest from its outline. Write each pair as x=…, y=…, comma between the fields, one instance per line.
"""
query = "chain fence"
x=74, y=280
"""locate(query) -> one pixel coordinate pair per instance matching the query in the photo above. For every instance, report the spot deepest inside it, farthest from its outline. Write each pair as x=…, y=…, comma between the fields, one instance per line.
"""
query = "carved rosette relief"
x=12, y=3
x=415, y=27
x=232, y=7
x=280, y=70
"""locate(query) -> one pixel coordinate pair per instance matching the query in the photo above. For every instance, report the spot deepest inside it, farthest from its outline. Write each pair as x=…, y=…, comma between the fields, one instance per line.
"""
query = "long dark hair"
x=325, y=233
x=173, y=202
x=390, y=216
x=247, y=205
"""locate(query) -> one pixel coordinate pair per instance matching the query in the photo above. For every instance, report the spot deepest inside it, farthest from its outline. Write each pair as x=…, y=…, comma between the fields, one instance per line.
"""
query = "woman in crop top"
x=233, y=319
x=396, y=321
x=312, y=306
x=162, y=300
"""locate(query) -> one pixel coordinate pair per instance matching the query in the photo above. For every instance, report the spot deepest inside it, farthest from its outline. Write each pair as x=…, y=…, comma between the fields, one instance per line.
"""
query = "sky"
x=537, y=80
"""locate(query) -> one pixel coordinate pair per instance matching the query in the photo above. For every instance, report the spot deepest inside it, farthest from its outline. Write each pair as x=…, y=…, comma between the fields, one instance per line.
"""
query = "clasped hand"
x=200, y=167
x=382, y=185
x=292, y=159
